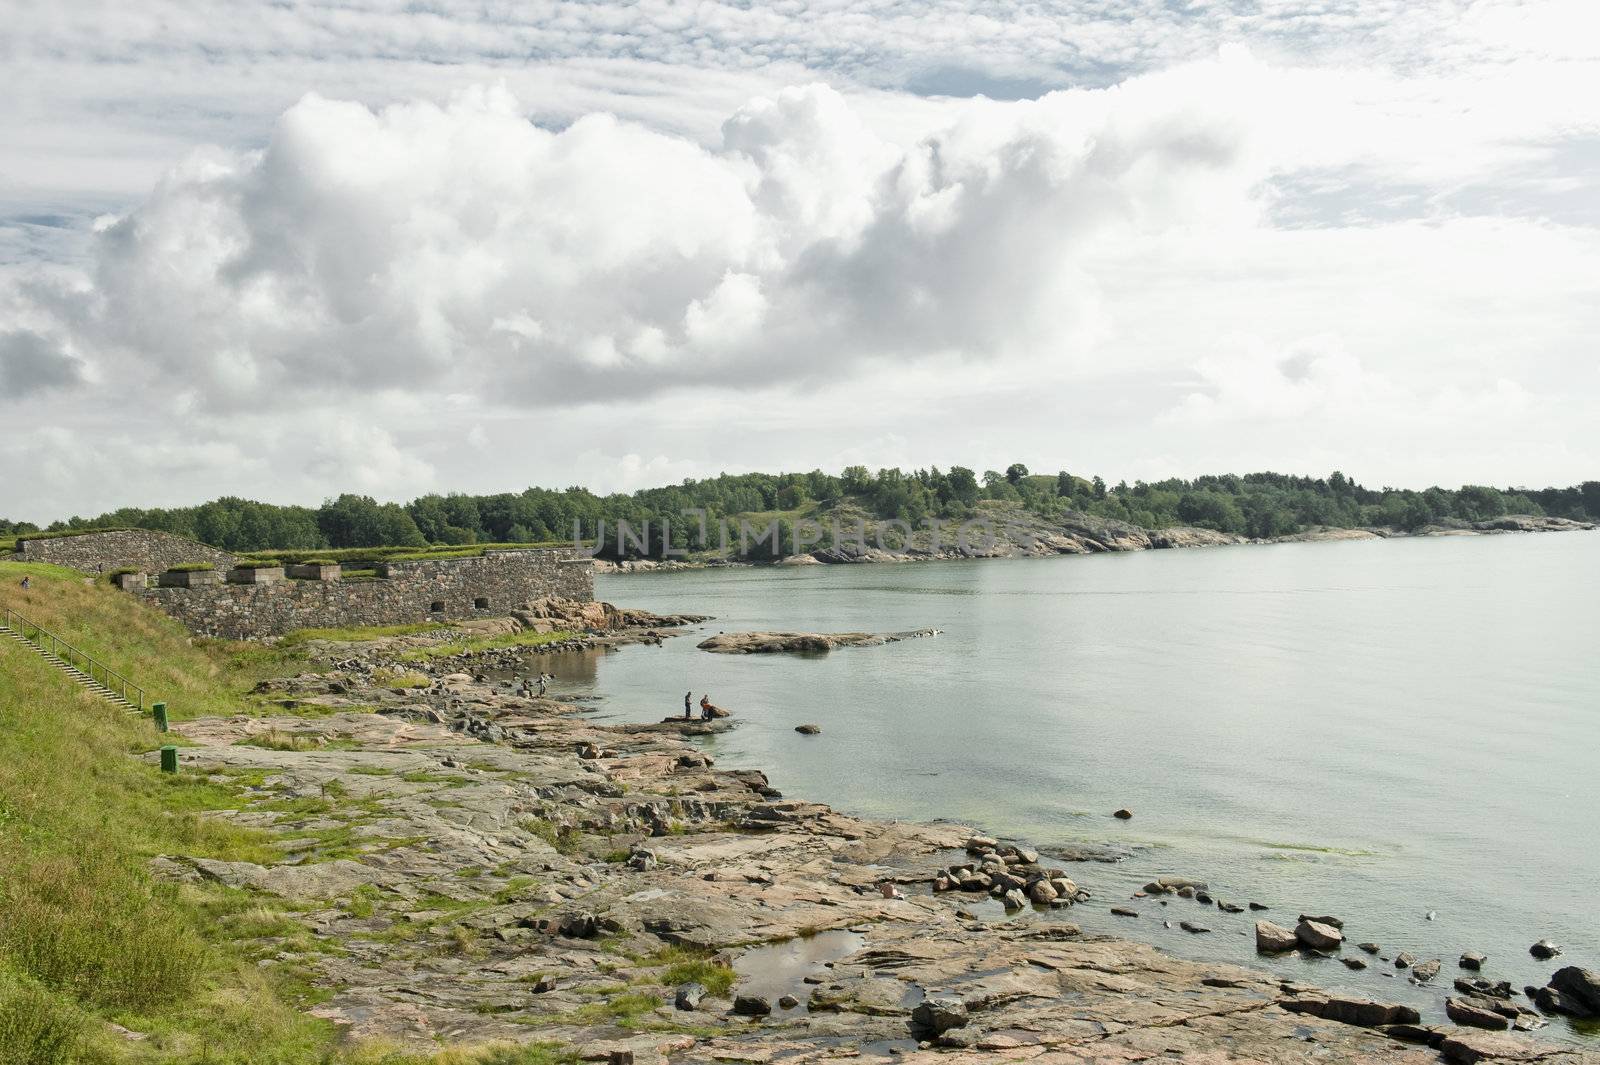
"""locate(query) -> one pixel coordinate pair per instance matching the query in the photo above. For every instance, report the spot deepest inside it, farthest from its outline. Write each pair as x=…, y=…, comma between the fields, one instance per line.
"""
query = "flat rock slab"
x=751, y=643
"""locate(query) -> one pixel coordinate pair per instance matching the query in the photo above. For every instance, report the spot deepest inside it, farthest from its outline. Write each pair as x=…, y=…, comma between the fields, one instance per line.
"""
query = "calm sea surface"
x=1376, y=730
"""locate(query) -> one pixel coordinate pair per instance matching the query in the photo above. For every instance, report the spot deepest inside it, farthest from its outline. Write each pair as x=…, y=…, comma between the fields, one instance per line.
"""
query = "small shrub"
x=36, y=1026
x=191, y=567
x=278, y=740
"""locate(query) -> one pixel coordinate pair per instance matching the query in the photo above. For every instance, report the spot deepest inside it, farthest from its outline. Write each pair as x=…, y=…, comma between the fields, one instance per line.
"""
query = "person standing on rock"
x=541, y=685
x=705, y=707
x=687, y=696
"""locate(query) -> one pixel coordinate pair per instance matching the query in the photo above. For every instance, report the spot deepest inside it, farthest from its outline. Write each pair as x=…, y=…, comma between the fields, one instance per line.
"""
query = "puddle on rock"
x=780, y=969
x=883, y=1048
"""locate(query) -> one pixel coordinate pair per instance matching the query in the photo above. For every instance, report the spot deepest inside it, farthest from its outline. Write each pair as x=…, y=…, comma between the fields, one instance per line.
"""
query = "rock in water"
x=751, y=1006
x=1274, y=939
x=1123, y=815
x=1404, y=960
x=1472, y=960
x=788, y=1002
x=1331, y=922
x=1544, y=950
x=808, y=730
x=1572, y=991
x=1424, y=971
x=1370, y=948
x=939, y=1015
x=1317, y=935
x=1475, y=1016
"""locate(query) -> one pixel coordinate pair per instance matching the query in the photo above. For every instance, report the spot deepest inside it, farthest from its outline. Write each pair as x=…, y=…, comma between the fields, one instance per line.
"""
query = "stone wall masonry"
x=405, y=593
x=102, y=552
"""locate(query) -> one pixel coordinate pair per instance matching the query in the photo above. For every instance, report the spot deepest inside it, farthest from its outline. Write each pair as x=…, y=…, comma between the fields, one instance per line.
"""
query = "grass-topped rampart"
x=92, y=946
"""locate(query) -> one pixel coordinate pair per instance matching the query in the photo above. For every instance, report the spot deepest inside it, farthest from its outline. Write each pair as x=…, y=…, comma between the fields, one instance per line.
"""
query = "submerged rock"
x=1472, y=960
x=1544, y=950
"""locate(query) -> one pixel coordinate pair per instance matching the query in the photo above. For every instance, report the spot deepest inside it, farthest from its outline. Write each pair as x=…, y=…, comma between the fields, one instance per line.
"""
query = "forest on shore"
x=1253, y=504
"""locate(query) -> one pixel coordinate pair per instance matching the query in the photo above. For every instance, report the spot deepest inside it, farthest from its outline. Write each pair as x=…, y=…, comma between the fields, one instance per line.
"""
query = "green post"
x=160, y=712
x=169, y=759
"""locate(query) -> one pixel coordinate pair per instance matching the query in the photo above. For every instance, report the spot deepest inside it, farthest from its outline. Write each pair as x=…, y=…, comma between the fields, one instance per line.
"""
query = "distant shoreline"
x=1080, y=535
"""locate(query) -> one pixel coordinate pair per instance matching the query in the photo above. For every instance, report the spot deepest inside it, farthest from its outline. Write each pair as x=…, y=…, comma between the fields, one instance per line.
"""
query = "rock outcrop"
x=753, y=643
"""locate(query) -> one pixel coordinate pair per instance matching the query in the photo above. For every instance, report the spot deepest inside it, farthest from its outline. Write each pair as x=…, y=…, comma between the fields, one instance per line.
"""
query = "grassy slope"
x=88, y=938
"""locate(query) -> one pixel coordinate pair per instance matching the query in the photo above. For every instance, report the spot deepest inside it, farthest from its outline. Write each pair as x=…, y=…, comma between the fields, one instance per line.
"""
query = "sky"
x=288, y=250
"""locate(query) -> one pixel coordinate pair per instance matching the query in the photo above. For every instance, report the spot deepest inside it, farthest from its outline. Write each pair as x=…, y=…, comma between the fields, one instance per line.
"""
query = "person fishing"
x=705, y=707
x=687, y=696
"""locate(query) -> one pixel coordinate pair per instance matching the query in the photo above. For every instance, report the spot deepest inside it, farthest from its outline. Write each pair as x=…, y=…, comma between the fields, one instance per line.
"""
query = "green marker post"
x=169, y=759
x=159, y=711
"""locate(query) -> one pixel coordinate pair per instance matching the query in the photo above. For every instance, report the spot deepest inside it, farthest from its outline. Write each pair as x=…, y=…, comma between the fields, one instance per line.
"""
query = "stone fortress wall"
x=457, y=589
x=102, y=552
x=247, y=604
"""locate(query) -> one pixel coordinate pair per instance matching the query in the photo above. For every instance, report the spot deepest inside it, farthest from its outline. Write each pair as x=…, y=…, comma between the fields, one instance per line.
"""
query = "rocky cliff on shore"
x=1011, y=531
x=475, y=864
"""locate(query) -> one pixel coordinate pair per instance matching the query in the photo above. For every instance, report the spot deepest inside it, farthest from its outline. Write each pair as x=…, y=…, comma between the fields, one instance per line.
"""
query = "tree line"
x=1254, y=504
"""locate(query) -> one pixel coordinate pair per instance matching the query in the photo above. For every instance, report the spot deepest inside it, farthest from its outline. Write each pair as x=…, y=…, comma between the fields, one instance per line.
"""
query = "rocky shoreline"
x=1018, y=533
x=475, y=864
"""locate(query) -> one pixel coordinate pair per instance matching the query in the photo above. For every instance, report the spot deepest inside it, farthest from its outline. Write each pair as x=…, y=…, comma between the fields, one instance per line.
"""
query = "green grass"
x=688, y=965
x=487, y=643
x=195, y=678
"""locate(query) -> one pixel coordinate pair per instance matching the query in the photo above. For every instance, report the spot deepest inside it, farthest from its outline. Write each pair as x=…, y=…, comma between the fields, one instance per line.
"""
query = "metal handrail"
x=109, y=678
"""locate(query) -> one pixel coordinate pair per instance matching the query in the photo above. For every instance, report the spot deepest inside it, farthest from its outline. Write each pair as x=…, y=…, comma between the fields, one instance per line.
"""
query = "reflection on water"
x=780, y=969
x=575, y=669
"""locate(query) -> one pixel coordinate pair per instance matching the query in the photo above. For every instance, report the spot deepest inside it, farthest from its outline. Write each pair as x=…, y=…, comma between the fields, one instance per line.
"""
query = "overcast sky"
x=288, y=250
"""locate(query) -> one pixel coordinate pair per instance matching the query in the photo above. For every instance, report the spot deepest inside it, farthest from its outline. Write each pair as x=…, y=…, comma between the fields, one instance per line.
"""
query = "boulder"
x=1472, y=960
x=1274, y=939
x=1544, y=950
x=938, y=1015
x=1353, y=963
x=1370, y=948
x=688, y=996
x=1042, y=892
x=751, y=1006
x=1404, y=960
x=808, y=730
x=1357, y=1011
x=1317, y=935
x=1474, y=1015
x=1576, y=992
x=1424, y=971
x=788, y=1002
x=1331, y=922
x=1123, y=815
x=1193, y=928
x=1014, y=899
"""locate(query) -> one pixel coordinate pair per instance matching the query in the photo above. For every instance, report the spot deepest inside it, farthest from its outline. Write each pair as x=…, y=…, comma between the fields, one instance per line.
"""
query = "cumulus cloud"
x=30, y=363
x=460, y=244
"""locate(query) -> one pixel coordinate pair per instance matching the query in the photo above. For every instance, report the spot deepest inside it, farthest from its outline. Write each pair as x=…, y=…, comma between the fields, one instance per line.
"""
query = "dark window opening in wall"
x=480, y=603
x=436, y=607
